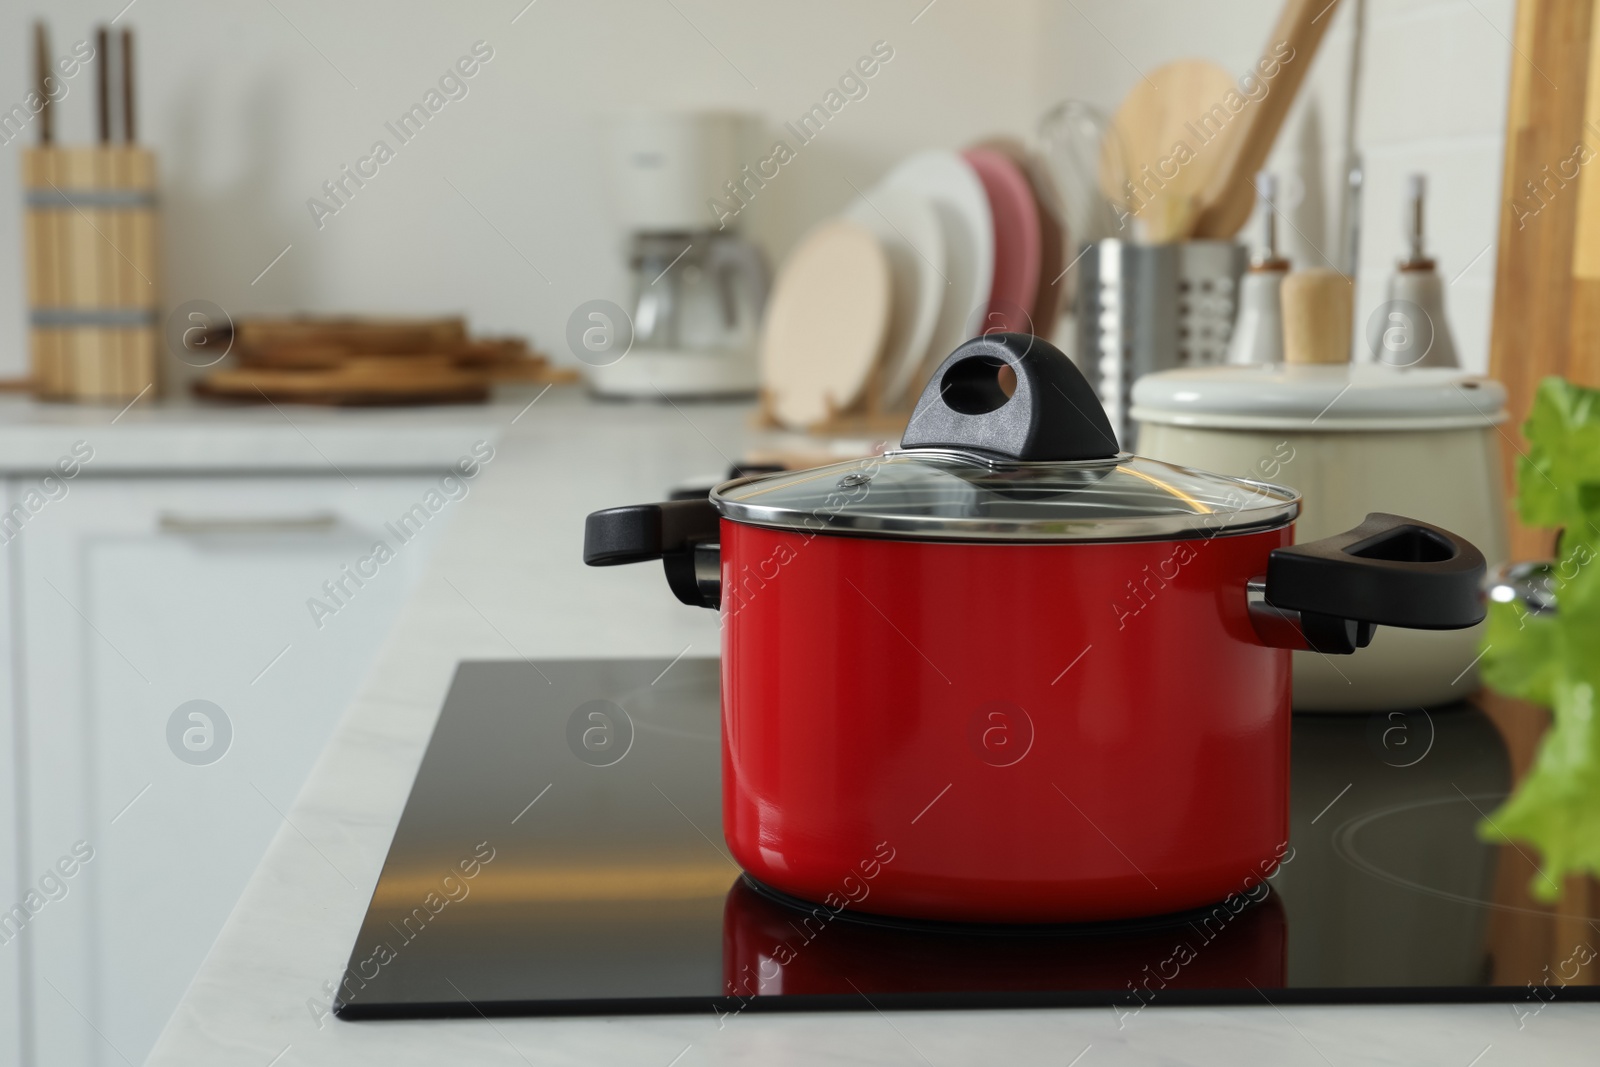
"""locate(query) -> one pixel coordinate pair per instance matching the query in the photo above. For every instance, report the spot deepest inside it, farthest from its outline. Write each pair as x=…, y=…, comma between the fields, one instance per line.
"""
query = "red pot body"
x=1028, y=733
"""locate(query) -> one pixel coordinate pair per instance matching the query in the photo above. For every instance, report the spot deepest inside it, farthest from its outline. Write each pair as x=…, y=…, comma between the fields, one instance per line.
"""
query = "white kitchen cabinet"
x=11, y=946
x=137, y=595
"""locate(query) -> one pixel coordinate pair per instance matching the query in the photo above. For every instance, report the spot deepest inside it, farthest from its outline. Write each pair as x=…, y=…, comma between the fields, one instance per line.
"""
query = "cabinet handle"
x=174, y=523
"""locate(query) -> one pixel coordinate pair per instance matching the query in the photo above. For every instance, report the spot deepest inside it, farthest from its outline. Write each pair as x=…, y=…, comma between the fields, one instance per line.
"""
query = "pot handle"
x=682, y=534
x=1388, y=571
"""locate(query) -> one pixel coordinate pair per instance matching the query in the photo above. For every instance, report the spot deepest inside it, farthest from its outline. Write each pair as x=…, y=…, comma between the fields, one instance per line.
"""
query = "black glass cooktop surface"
x=561, y=853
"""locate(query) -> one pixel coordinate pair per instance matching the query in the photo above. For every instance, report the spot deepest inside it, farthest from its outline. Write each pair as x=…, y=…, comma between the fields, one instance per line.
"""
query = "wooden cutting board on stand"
x=1547, y=279
x=1546, y=321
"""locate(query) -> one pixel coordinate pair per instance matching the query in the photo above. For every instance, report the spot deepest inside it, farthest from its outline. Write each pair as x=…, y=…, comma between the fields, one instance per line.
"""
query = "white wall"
x=249, y=120
x=1434, y=100
x=250, y=115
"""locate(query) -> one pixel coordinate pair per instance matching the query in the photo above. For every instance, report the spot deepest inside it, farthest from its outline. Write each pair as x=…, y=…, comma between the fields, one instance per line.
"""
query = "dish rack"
x=1144, y=308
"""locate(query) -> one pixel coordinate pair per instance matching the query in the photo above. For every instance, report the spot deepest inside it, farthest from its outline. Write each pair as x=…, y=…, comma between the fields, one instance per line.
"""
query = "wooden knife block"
x=91, y=259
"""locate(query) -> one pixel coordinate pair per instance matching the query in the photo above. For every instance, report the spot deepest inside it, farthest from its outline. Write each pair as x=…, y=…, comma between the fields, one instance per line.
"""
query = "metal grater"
x=1144, y=308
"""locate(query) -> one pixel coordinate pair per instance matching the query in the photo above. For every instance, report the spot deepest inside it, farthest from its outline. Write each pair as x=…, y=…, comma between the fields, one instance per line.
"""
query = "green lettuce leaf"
x=1553, y=659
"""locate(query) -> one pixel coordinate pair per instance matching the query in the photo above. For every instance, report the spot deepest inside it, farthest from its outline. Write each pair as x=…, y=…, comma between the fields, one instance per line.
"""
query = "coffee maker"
x=698, y=287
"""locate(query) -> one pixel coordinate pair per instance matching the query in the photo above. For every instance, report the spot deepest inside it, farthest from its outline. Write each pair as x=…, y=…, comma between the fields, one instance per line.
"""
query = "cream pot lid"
x=1321, y=397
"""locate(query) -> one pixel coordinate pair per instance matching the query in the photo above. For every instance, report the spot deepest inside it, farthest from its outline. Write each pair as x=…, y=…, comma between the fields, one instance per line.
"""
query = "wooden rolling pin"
x=1317, y=309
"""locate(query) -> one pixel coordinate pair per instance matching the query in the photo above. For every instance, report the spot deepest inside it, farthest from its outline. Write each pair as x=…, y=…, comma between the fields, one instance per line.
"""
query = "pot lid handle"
x=1052, y=415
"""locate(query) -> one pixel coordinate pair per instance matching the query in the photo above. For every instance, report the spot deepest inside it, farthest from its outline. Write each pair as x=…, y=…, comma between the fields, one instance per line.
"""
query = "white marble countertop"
x=507, y=582
x=184, y=436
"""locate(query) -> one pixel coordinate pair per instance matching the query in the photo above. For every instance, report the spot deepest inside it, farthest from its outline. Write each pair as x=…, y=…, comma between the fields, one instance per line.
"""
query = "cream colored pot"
x=1353, y=439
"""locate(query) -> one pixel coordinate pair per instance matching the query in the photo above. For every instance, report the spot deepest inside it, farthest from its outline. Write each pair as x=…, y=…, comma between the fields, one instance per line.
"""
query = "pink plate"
x=1017, y=246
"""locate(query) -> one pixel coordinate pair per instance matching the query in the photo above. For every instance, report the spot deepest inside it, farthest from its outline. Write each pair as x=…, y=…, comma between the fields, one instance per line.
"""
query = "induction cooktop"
x=561, y=853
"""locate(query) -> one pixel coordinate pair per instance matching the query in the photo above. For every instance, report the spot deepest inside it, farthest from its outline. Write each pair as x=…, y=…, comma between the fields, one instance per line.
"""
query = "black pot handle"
x=1389, y=571
x=1052, y=414
x=682, y=534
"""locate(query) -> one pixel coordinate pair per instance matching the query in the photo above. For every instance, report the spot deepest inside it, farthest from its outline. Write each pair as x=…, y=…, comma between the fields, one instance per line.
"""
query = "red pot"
x=1008, y=674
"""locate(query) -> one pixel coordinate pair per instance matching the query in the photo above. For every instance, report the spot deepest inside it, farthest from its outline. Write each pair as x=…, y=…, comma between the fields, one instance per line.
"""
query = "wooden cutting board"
x=1546, y=321
x=354, y=382
x=359, y=360
x=826, y=323
x=1547, y=281
x=392, y=336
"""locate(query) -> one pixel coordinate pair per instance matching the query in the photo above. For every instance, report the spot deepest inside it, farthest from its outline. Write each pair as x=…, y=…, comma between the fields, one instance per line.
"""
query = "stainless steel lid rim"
x=1026, y=539
x=1254, y=506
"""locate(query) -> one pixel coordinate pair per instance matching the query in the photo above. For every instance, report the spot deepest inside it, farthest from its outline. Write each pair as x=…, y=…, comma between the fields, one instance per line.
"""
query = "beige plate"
x=826, y=323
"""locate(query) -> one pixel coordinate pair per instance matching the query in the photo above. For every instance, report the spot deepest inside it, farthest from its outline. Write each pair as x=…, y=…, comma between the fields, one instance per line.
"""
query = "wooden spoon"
x=1156, y=159
x=1225, y=202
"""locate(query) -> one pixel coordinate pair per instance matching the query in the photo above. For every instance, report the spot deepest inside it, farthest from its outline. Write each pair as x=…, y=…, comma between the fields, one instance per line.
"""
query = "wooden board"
x=390, y=336
x=332, y=395
x=351, y=359
x=825, y=324
x=1546, y=321
x=417, y=378
x=371, y=380
x=1547, y=280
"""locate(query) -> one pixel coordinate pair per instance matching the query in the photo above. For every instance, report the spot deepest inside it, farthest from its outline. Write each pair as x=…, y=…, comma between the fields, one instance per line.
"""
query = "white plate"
x=826, y=323
x=907, y=225
x=953, y=186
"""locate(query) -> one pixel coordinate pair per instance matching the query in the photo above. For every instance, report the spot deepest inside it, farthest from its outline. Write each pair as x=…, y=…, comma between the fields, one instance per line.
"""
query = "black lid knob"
x=1051, y=415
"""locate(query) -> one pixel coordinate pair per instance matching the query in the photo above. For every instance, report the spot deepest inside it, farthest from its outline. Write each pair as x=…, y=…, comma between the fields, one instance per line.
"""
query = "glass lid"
x=1008, y=443
x=938, y=494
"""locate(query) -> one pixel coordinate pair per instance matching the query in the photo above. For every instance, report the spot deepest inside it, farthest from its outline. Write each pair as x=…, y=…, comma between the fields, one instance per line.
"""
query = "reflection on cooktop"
x=561, y=852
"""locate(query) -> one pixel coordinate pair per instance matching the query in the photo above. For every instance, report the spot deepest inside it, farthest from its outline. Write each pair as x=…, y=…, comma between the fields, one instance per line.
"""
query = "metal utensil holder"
x=1144, y=308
